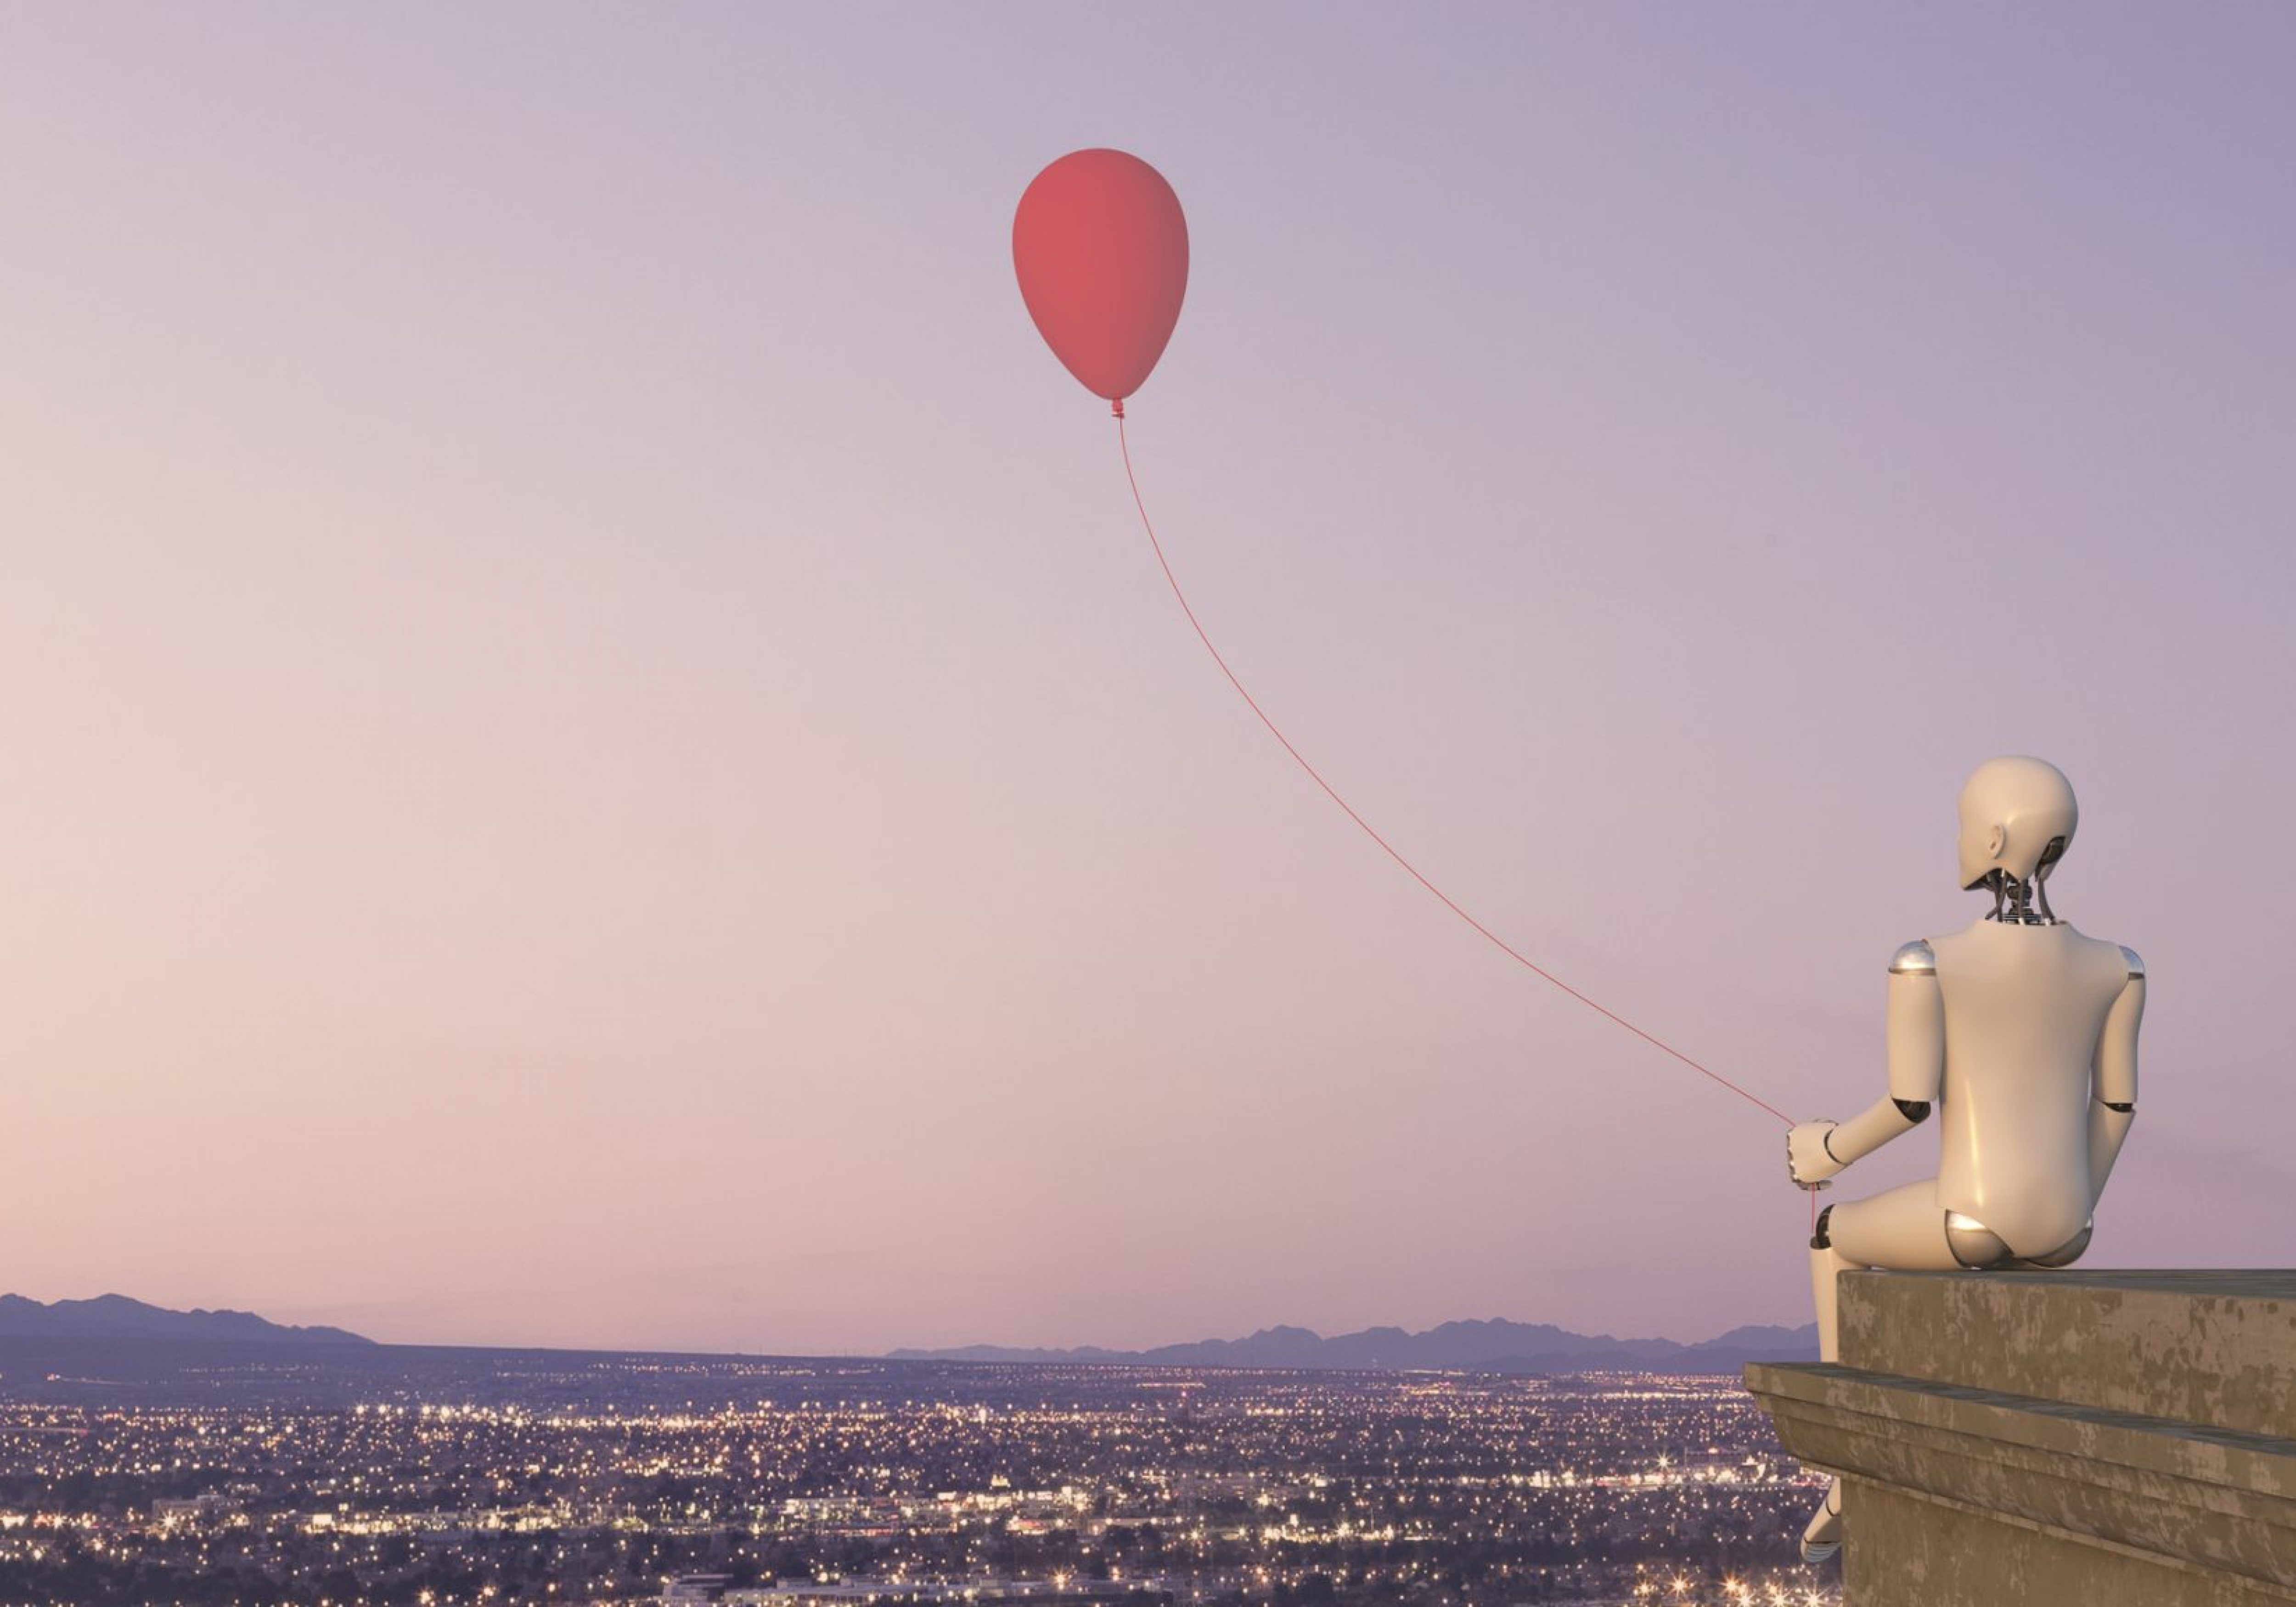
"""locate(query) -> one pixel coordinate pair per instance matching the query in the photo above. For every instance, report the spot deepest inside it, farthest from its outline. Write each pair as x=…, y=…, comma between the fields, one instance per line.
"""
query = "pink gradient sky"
x=590, y=752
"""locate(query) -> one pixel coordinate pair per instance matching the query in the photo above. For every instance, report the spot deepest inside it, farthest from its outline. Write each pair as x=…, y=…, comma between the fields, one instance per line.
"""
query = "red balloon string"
x=1386, y=847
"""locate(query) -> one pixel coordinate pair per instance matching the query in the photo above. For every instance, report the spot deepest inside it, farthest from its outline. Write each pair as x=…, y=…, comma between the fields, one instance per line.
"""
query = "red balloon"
x=1102, y=251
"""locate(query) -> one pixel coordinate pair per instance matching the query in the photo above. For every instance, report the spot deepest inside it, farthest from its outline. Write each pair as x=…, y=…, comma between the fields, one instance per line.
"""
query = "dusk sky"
x=591, y=752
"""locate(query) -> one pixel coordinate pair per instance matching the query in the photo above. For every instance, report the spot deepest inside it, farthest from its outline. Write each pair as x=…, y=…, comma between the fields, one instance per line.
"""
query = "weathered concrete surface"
x=1974, y=1556
x=2065, y=1437
x=2214, y=1347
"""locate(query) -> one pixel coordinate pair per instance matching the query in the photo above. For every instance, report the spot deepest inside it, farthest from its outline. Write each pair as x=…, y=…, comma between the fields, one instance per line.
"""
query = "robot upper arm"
x=2116, y=1047
x=1916, y=1030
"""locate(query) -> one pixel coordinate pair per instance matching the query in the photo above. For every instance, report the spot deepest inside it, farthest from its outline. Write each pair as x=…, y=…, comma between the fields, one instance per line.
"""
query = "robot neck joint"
x=2024, y=900
x=2021, y=901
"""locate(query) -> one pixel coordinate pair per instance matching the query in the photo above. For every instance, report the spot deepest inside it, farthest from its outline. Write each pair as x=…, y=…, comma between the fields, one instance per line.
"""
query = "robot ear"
x=1997, y=842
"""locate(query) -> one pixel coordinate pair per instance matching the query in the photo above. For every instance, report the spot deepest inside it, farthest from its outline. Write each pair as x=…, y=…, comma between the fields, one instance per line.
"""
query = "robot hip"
x=1977, y=1246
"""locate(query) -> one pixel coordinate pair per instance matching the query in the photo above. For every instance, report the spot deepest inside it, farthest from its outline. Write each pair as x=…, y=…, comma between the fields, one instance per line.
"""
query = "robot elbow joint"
x=1914, y=1110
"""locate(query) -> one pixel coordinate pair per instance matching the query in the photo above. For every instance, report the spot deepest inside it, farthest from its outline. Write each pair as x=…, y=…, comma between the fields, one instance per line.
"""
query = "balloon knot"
x=1116, y=408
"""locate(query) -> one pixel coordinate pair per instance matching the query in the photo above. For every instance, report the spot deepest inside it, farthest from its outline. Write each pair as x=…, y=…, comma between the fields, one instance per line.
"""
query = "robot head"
x=2017, y=817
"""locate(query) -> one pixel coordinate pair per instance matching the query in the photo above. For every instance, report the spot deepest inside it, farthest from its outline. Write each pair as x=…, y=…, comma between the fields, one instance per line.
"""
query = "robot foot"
x=1822, y=1537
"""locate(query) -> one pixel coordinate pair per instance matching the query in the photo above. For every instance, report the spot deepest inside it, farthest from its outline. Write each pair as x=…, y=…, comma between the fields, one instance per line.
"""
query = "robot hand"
x=1808, y=1162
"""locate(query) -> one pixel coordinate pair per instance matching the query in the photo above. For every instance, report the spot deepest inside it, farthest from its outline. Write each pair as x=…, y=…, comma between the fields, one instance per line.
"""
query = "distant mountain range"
x=116, y=1316
x=1476, y=1346
x=1495, y=1346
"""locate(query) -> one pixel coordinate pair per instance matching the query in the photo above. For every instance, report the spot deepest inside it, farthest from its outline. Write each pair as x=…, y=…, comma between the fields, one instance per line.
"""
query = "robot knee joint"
x=1823, y=1239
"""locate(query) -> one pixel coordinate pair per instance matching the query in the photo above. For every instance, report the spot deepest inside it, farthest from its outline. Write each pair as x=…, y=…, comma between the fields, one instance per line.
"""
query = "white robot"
x=2022, y=1033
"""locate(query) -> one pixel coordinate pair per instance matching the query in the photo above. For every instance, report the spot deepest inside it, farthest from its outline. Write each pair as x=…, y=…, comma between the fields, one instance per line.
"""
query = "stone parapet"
x=2080, y=1438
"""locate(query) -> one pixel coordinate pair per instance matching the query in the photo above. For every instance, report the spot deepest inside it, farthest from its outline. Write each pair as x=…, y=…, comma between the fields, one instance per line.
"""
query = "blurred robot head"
x=2017, y=817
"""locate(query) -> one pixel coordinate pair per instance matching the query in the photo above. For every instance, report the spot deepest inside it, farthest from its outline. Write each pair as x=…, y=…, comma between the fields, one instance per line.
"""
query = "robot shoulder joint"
x=1917, y=960
x=2135, y=962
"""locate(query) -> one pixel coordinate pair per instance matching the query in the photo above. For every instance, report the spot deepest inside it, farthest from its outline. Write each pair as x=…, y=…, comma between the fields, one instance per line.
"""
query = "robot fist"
x=1808, y=1161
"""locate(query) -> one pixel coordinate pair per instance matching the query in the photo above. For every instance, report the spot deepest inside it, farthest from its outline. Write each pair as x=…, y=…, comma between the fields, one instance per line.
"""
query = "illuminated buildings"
x=566, y=1478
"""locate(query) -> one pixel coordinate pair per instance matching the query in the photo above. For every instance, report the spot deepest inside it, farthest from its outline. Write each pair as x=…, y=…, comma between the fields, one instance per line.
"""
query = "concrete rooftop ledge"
x=2066, y=1437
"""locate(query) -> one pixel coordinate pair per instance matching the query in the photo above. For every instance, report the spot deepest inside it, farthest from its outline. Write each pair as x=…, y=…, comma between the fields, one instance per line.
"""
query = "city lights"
x=915, y=1485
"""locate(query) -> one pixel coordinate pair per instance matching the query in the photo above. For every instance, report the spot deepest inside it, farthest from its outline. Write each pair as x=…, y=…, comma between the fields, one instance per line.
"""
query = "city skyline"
x=594, y=756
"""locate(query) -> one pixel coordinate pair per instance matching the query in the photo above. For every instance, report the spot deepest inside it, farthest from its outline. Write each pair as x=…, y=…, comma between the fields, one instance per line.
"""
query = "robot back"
x=2025, y=1008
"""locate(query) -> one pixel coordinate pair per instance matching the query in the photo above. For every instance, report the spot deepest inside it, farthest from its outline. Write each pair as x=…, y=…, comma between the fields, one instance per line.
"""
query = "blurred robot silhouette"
x=2022, y=1033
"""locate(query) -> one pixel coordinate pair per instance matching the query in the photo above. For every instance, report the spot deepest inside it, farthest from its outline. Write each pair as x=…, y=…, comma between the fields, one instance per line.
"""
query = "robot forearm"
x=1818, y=1150
x=1862, y=1133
